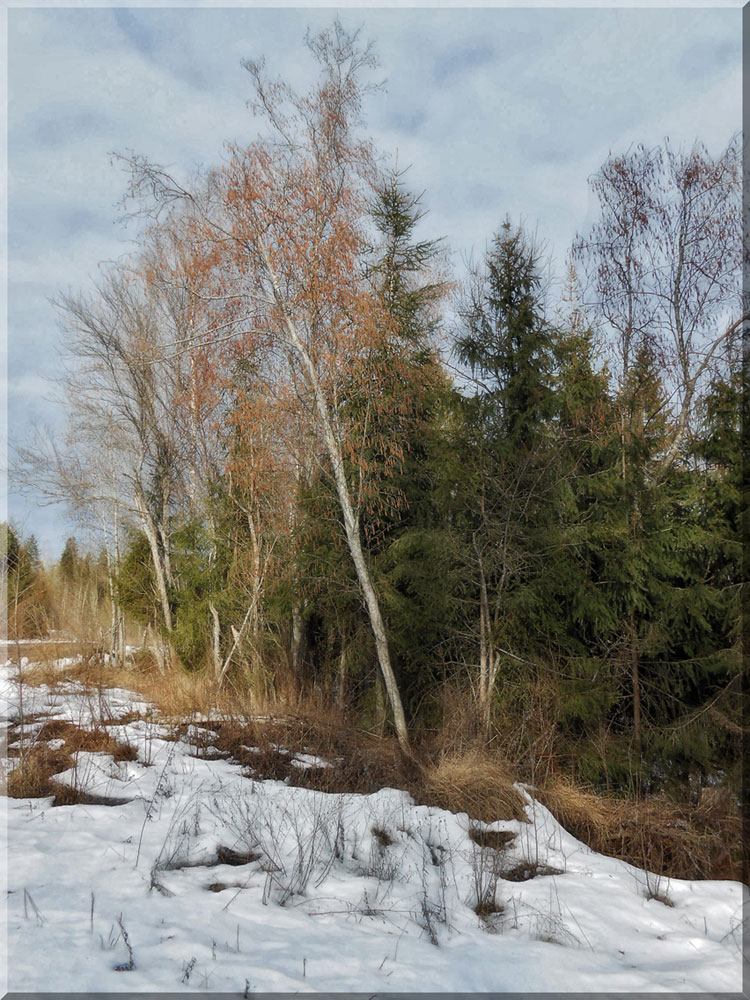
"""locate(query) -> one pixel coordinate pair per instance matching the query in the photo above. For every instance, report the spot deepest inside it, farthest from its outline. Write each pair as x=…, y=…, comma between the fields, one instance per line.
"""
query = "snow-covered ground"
x=202, y=878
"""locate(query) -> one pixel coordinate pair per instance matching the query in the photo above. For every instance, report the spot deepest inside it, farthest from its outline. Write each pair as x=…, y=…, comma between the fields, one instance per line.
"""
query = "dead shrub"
x=486, y=870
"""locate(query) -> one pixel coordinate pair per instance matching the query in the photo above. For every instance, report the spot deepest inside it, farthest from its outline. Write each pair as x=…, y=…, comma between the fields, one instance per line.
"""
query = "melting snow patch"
x=306, y=760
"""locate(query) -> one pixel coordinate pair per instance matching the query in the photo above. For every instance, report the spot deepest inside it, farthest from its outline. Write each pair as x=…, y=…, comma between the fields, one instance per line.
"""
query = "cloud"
x=32, y=385
x=455, y=60
x=135, y=29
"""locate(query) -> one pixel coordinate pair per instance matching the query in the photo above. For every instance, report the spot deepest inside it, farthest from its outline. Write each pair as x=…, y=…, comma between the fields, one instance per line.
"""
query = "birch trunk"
x=217, y=640
x=160, y=573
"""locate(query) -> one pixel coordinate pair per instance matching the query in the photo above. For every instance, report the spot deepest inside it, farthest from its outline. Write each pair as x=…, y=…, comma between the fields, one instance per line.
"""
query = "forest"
x=329, y=472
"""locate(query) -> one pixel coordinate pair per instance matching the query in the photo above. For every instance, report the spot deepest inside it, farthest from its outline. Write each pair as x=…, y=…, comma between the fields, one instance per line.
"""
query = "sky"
x=494, y=111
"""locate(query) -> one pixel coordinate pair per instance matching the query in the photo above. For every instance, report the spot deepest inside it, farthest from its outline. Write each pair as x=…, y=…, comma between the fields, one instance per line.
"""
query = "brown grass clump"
x=671, y=840
x=583, y=813
x=475, y=783
x=31, y=778
x=33, y=775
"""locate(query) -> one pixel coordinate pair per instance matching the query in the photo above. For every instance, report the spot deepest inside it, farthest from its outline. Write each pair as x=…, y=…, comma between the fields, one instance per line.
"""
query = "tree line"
x=42, y=601
x=312, y=452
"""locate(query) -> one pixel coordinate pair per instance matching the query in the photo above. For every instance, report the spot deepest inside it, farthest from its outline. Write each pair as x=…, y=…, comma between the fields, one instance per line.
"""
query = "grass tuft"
x=31, y=778
x=475, y=783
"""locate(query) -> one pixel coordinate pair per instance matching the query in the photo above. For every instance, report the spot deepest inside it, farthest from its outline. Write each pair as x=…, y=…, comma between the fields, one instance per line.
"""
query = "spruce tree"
x=587, y=524
x=400, y=427
x=69, y=560
x=408, y=545
x=508, y=345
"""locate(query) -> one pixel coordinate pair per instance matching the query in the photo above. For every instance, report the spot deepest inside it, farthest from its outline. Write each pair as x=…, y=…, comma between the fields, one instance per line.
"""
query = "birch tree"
x=287, y=216
x=663, y=263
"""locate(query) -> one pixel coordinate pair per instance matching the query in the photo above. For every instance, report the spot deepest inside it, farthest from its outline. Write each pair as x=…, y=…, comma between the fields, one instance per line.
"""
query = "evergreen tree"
x=696, y=689
x=136, y=585
x=587, y=525
x=509, y=347
x=646, y=630
x=69, y=560
x=398, y=435
x=28, y=609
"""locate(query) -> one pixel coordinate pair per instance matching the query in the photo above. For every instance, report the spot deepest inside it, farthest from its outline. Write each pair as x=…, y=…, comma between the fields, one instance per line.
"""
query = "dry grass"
x=176, y=693
x=450, y=769
x=358, y=762
x=42, y=656
x=471, y=781
x=32, y=777
x=668, y=839
x=94, y=740
x=498, y=840
x=37, y=764
x=476, y=783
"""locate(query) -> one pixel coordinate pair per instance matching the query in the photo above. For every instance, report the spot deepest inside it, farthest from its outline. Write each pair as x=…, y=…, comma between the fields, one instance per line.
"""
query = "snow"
x=223, y=883
x=304, y=761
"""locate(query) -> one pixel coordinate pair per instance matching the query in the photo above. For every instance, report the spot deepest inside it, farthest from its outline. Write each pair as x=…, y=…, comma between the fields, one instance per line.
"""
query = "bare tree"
x=287, y=217
x=663, y=264
x=124, y=404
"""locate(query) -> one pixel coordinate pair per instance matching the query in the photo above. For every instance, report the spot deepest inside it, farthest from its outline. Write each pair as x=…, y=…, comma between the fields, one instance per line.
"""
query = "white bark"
x=151, y=532
x=216, y=640
x=690, y=386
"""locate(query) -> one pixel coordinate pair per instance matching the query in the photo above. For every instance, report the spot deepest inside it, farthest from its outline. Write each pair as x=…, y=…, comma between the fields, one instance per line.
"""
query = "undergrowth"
x=453, y=770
